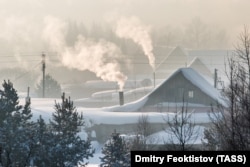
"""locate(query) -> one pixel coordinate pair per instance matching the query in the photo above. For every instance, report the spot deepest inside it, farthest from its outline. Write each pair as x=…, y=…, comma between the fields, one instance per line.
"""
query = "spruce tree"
x=67, y=148
x=15, y=125
x=116, y=152
x=9, y=101
x=42, y=139
x=52, y=87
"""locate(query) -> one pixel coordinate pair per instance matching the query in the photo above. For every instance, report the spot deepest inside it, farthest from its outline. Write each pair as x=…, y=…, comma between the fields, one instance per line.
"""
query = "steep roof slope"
x=176, y=87
x=194, y=77
x=198, y=65
x=175, y=60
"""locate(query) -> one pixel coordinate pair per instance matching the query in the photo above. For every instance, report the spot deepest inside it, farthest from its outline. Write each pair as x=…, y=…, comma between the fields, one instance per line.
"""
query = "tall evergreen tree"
x=15, y=133
x=25, y=143
x=116, y=152
x=9, y=101
x=68, y=149
x=42, y=140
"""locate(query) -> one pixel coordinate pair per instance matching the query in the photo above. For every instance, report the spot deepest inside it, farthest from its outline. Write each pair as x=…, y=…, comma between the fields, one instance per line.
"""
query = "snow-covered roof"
x=129, y=107
x=212, y=58
x=198, y=65
x=45, y=108
x=200, y=82
x=194, y=77
x=190, y=74
x=176, y=59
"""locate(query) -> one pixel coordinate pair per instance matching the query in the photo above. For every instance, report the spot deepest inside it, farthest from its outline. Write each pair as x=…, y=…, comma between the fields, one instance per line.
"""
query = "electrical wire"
x=20, y=76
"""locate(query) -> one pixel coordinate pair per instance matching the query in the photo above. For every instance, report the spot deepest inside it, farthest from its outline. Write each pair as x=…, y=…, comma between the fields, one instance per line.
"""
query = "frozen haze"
x=230, y=14
x=21, y=21
x=147, y=9
x=133, y=28
x=29, y=26
x=99, y=56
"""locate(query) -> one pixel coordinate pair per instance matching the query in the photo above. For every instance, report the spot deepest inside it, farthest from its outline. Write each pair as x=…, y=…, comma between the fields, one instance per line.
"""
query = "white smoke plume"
x=132, y=28
x=99, y=57
x=54, y=33
x=17, y=35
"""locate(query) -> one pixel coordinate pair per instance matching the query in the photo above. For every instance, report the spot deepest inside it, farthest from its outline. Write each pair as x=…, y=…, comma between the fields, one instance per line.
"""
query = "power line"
x=20, y=76
x=12, y=56
x=16, y=61
x=120, y=62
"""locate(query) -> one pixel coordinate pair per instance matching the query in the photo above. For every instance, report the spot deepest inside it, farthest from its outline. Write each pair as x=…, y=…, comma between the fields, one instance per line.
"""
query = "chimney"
x=121, y=98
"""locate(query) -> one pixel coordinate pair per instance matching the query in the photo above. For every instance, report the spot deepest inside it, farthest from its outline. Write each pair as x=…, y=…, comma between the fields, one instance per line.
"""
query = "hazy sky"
x=21, y=20
x=232, y=13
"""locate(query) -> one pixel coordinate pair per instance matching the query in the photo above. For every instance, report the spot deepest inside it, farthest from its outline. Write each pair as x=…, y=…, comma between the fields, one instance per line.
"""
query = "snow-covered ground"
x=116, y=114
x=95, y=160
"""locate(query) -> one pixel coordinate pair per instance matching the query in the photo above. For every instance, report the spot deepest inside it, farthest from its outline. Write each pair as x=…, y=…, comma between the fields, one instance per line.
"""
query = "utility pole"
x=215, y=78
x=28, y=96
x=43, y=69
x=154, y=78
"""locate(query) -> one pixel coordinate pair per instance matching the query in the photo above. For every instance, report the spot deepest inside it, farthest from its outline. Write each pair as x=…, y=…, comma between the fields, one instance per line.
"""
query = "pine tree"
x=52, y=87
x=67, y=148
x=9, y=101
x=42, y=139
x=15, y=125
x=116, y=152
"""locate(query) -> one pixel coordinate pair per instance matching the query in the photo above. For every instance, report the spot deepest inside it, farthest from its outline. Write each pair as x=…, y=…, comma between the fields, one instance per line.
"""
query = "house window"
x=191, y=94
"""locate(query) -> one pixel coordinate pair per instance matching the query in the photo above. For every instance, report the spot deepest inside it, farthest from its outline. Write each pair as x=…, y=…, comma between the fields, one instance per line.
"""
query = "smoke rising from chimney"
x=132, y=28
x=19, y=36
x=54, y=33
x=99, y=56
